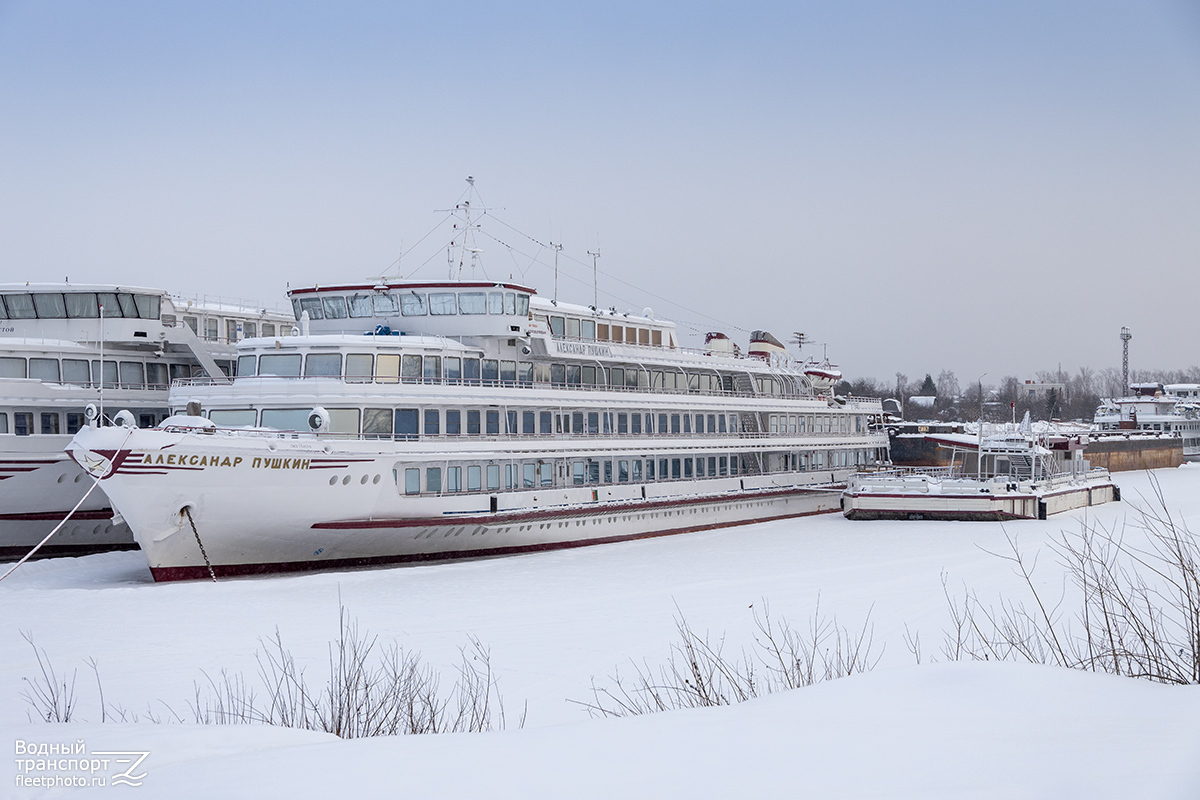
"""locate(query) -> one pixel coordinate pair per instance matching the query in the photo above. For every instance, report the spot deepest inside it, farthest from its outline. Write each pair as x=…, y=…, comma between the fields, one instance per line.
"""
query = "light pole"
x=979, y=452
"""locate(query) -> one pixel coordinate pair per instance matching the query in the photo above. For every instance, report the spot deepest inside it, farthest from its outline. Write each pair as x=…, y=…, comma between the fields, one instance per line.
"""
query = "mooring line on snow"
x=95, y=483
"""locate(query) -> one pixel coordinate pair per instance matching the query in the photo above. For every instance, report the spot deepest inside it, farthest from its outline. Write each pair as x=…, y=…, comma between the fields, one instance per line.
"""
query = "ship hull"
x=37, y=492
x=284, y=505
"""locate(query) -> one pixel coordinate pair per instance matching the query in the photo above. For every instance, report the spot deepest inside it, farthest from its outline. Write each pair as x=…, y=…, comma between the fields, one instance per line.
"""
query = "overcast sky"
x=985, y=188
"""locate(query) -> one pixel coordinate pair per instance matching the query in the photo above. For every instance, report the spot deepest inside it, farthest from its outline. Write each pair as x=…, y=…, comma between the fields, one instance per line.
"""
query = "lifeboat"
x=823, y=376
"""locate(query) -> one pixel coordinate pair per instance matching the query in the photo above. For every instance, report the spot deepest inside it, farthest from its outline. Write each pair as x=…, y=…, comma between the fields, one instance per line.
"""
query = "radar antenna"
x=595, y=280
x=467, y=243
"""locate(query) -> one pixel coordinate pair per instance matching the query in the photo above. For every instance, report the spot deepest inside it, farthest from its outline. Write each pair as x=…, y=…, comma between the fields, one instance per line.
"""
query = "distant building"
x=1038, y=391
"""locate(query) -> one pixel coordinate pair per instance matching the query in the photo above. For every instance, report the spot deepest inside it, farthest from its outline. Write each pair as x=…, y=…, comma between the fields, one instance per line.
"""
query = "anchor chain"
x=187, y=510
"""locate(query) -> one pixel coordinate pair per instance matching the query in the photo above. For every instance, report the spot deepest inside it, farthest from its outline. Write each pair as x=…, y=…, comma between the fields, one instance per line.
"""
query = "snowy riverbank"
x=554, y=621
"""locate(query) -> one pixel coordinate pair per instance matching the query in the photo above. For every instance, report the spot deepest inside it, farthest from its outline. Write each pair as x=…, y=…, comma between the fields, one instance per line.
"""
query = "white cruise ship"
x=52, y=342
x=1171, y=409
x=472, y=419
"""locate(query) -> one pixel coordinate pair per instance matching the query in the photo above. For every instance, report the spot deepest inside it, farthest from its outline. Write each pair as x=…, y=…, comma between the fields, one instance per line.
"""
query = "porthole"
x=364, y=479
x=79, y=477
x=346, y=481
x=61, y=478
x=333, y=481
x=375, y=479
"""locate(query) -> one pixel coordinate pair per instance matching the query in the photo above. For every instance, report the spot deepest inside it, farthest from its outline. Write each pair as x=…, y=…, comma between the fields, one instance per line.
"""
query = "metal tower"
x=1125, y=337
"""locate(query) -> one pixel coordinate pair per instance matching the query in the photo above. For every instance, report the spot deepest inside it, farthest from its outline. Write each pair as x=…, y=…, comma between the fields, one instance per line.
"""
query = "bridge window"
x=385, y=305
x=20, y=306
x=50, y=306
x=472, y=303
x=148, y=305
x=82, y=305
x=496, y=303
x=313, y=306
x=359, y=306
x=335, y=307
x=443, y=304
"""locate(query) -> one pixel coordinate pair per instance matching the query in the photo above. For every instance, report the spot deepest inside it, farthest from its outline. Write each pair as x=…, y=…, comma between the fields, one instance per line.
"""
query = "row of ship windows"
x=392, y=368
x=81, y=372
x=1159, y=426
x=79, y=305
x=29, y=423
x=212, y=328
x=589, y=330
x=412, y=304
x=414, y=422
x=541, y=474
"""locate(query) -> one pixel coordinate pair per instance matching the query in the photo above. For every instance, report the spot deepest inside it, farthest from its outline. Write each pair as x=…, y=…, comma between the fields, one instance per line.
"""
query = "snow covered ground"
x=553, y=621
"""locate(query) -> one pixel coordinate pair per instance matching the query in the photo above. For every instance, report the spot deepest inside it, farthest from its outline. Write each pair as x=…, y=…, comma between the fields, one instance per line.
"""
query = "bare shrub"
x=698, y=673
x=1137, y=611
x=371, y=690
x=52, y=696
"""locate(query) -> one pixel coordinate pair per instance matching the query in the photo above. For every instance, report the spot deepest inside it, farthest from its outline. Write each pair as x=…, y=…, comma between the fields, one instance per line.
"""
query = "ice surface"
x=555, y=620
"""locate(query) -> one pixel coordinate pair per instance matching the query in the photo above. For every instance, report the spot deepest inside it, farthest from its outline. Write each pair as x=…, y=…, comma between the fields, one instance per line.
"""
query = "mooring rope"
x=95, y=483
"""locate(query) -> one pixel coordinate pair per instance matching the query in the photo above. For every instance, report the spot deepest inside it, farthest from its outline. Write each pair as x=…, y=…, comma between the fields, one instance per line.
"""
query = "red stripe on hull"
x=51, y=550
x=163, y=574
x=56, y=516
